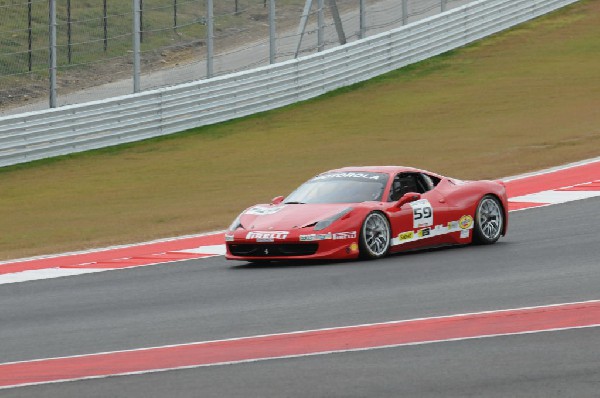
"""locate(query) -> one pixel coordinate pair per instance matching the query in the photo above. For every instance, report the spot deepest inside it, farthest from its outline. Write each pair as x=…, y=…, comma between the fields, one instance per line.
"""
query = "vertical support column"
x=175, y=15
x=210, y=35
x=302, y=26
x=105, y=24
x=29, y=37
x=404, y=12
x=69, y=45
x=52, y=60
x=136, y=46
x=272, y=33
x=141, y=8
x=363, y=21
x=320, y=26
x=444, y=5
x=335, y=14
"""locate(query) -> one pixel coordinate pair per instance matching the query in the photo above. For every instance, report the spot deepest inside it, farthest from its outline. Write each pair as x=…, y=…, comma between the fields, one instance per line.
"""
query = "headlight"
x=235, y=224
x=329, y=220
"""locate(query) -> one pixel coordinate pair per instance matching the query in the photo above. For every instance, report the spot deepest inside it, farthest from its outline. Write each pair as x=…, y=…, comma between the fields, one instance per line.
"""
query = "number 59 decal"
x=422, y=213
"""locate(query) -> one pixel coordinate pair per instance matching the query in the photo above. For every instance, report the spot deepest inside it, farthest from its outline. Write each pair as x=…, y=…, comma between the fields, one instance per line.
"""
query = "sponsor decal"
x=453, y=225
x=267, y=236
x=422, y=213
x=367, y=176
x=344, y=235
x=464, y=226
x=406, y=235
x=313, y=237
x=229, y=238
x=263, y=211
x=423, y=233
x=354, y=247
x=465, y=222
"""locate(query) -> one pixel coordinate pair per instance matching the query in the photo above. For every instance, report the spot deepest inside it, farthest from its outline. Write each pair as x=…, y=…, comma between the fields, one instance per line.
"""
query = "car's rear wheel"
x=375, y=236
x=489, y=221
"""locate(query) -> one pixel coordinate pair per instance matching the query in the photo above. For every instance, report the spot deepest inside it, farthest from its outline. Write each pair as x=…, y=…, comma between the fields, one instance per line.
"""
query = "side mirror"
x=277, y=200
x=407, y=198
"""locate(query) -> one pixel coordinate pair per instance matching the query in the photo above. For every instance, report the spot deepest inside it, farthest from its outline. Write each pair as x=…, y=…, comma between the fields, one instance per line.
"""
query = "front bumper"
x=323, y=246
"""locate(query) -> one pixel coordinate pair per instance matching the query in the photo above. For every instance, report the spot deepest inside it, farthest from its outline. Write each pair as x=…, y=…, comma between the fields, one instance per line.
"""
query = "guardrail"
x=76, y=128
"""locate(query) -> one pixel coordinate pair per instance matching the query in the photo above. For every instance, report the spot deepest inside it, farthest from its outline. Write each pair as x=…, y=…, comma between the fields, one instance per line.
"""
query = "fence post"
x=444, y=3
x=136, y=46
x=209, y=38
x=29, y=37
x=105, y=24
x=52, y=60
x=175, y=15
x=272, y=32
x=363, y=30
x=321, y=26
x=404, y=12
x=69, y=49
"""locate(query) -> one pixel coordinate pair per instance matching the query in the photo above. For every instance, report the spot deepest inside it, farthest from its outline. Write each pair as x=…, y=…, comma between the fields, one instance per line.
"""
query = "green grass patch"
x=520, y=101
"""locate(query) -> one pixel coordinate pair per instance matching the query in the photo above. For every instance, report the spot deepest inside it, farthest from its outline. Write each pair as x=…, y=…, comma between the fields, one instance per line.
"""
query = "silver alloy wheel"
x=490, y=218
x=376, y=235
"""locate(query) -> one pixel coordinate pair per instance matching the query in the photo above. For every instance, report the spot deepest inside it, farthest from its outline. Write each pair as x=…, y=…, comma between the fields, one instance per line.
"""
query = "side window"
x=428, y=182
x=404, y=183
x=411, y=182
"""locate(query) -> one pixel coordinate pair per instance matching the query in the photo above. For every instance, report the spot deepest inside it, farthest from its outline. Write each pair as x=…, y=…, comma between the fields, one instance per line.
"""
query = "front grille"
x=273, y=249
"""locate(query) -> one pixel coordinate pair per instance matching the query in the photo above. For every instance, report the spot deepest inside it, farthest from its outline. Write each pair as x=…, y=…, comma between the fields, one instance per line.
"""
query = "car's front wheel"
x=489, y=221
x=375, y=236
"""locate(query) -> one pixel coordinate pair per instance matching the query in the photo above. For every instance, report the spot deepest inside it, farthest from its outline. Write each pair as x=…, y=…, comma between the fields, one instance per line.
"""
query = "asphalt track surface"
x=551, y=255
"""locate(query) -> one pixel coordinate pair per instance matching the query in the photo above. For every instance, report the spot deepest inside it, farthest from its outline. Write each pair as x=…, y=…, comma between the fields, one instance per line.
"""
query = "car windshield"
x=342, y=187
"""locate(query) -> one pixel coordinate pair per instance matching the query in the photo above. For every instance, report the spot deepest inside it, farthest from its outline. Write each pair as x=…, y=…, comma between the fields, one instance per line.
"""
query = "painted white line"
x=214, y=249
x=103, y=249
x=47, y=273
x=555, y=197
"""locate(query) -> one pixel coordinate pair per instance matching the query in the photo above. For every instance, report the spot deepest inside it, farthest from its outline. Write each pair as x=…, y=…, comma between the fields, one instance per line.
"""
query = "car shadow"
x=286, y=264
x=272, y=264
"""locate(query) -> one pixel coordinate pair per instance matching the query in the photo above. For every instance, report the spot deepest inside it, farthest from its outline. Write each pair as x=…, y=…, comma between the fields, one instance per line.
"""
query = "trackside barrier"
x=75, y=128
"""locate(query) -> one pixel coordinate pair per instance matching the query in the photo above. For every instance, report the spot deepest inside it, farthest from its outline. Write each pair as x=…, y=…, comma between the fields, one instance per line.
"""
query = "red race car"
x=369, y=212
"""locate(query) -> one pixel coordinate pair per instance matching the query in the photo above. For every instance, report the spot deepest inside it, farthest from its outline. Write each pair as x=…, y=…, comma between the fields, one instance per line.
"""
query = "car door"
x=422, y=222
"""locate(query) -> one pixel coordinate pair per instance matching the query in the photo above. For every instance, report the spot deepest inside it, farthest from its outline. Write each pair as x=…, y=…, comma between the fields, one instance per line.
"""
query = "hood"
x=288, y=216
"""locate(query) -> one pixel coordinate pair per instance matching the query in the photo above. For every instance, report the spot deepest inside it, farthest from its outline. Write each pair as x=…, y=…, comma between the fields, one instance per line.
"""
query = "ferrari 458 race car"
x=369, y=212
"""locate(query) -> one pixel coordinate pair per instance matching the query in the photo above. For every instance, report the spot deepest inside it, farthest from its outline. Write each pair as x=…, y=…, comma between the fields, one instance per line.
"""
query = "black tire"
x=489, y=221
x=375, y=236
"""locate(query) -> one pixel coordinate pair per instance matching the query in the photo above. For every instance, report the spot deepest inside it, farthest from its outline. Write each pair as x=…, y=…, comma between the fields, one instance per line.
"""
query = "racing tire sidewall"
x=365, y=251
x=479, y=237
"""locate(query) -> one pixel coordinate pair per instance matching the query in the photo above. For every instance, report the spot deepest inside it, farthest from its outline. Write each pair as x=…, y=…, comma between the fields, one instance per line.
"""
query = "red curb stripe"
x=112, y=254
x=554, y=180
x=526, y=320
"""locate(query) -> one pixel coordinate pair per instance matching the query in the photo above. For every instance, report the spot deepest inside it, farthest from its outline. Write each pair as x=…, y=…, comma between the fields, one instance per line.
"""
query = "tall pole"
x=105, y=24
x=69, y=49
x=175, y=15
x=52, y=60
x=272, y=32
x=209, y=38
x=444, y=3
x=321, y=26
x=404, y=12
x=29, y=37
x=136, y=46
x=363, y=28
x=337, y=21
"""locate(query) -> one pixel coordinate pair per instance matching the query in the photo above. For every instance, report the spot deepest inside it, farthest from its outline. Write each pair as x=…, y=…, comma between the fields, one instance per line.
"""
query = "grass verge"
x=519, y=101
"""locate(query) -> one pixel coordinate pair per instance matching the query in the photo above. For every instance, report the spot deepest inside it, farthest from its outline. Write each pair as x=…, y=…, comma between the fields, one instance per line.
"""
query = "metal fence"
x=58, y=52
x=76, y=128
